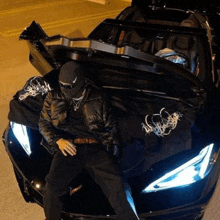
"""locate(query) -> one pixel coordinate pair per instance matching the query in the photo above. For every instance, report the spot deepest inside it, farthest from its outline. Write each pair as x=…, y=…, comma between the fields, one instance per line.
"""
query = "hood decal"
x=162, y=123
x=34, y=87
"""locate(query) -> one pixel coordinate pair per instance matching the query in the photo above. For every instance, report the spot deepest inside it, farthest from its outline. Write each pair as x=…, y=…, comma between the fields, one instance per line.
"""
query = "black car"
x=124, y=59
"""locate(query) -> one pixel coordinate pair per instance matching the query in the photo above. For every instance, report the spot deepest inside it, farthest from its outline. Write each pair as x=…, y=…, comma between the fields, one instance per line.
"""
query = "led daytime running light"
x=188, y=173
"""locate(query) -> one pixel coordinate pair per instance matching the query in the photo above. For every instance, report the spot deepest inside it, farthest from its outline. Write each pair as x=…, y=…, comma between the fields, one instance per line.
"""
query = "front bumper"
x=187, y=203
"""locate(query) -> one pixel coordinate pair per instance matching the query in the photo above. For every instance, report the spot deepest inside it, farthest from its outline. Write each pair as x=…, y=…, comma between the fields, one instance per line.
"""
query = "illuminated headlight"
x=20, y=132
x=188, y=173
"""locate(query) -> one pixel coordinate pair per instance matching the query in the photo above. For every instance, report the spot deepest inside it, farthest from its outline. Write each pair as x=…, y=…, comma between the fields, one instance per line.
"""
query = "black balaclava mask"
x=71, y=80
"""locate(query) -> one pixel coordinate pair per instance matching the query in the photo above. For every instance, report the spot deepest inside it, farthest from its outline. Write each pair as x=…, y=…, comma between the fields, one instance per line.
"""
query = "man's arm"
x=46, y=128
x=51, y=134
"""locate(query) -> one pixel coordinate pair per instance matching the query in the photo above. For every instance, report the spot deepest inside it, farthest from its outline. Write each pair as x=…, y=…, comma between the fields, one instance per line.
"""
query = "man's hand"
x=66, y=147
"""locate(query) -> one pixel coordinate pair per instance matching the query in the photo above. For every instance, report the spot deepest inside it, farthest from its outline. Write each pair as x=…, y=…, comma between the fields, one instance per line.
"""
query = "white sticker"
x=161, y=124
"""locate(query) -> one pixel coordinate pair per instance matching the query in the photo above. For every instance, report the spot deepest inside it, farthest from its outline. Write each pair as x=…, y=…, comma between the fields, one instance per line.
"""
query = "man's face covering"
x=71, y=80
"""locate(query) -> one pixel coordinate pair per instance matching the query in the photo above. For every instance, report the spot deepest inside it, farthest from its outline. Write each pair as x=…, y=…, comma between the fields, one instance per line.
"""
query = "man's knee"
x=52, y=188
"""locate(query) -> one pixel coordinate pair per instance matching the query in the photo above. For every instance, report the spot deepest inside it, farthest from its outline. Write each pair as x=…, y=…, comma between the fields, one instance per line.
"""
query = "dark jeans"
x=102, y=168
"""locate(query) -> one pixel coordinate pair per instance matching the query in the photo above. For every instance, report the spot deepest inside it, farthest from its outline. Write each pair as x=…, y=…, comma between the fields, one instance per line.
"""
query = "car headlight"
x=20, y=132
x=188, y=173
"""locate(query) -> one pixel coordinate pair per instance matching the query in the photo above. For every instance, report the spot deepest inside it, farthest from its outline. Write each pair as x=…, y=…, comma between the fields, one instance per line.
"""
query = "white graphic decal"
x=161, y=124
x=33, y=88
x=74, y=80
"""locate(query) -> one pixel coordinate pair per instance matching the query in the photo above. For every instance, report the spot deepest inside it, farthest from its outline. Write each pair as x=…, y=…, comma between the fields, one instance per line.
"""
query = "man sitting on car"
x=76, y=120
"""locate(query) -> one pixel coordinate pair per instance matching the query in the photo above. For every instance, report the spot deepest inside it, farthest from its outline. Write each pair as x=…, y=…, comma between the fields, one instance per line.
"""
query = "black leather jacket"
x=95, y=109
